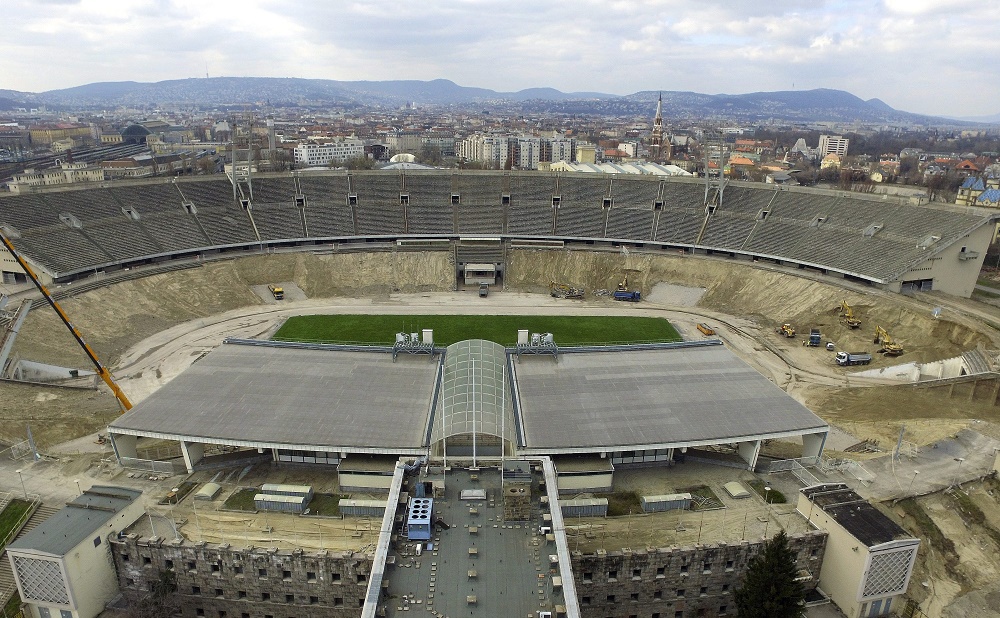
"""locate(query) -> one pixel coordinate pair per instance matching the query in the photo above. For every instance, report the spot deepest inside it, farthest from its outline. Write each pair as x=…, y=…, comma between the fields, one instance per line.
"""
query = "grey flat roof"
x=620, y=400
x=295, y=397
x=857, y=515
x=86, y=515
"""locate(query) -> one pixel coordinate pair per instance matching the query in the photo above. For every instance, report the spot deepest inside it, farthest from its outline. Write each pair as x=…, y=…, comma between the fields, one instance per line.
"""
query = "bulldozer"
x=847, y=313
x=785, y=330
x=889, y=347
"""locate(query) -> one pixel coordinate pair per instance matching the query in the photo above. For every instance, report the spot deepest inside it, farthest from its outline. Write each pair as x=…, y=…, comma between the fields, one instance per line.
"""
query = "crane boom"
x=101, y=369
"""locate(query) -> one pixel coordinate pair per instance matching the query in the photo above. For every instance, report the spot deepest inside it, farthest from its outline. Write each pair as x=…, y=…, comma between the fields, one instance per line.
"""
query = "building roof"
x=989, y=196
x=473, y=391
x=976, y=184
x=84, y=516
x=858, y=516
x=270, y=396
x=657, y=398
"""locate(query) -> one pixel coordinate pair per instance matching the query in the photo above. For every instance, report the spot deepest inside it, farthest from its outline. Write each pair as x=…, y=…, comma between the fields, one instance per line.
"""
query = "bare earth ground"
x=151, y=329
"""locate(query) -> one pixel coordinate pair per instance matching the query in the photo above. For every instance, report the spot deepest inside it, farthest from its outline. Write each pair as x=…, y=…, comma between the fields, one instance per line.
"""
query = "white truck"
x=853, y=358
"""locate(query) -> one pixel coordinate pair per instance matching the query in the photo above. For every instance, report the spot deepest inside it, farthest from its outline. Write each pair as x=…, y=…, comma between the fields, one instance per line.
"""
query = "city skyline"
x=915, y=55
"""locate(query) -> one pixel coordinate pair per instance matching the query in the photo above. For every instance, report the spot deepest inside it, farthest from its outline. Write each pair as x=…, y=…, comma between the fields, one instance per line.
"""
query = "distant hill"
x=799, y=105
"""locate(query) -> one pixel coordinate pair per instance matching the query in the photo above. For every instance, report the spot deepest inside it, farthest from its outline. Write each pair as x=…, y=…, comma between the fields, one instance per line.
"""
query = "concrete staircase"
x=7, y=585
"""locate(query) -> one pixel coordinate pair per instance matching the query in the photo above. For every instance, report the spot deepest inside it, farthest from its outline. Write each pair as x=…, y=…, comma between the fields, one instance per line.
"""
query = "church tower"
x=658, y=153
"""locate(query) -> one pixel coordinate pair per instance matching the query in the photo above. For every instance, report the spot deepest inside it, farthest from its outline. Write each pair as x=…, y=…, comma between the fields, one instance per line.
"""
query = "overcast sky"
x=925, y=56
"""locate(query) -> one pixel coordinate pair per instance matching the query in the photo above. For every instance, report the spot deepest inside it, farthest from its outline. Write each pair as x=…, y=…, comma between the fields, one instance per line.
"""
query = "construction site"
x=915, y=430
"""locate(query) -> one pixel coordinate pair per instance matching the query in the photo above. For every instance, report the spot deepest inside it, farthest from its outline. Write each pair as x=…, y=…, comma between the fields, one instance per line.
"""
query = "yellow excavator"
x=847, y=313
x=623, y=285
x=101, y=369
x=889, y=347
x=785, y=330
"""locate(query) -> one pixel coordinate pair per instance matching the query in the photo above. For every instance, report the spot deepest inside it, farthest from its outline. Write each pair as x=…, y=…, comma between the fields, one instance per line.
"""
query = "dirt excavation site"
x=151, y=328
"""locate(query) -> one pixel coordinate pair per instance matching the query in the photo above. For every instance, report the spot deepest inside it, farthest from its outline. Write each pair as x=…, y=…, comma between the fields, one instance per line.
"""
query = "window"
x=361, y=602
x=722, y=609
x=556, y=200
x=168, y=564
x=216, y=568
x=505, y=200
x=222, y=613
x=585, y=601
x=289, y=598
x=65, y=613
x=404, y=199
x=684, y=568
x=612, y=576
x=265, y=596
x=658, y=594
x=335, y=577
x=725, y=588
x=261, y=572
x=198, y=611
x=636, y=573
x=456, y=199
x=661, y=571
x=44, y=612
x=300, y=201
x=313, y=600
x=311, y=577
x=588, y=577
x=129, y=582
x=242, y=594
x=97, y=541
x=606, y=203
x=362, y=577
x=238, y=570
x=611, y=598
x=634, y=596
x=245, y=615
x=707, y=567
x=703, y=590
x=679, y=614
x=192, y=566
x=680, y=593
x=124, y=557
x=195, y=589
x=286, y=575
x=352, y=200
x=338, y=601
x=218, y=592
x=146, y=561
x=729, y=565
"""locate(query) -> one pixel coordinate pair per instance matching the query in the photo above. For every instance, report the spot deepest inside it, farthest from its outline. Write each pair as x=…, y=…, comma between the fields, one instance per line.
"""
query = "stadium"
x=576, y=414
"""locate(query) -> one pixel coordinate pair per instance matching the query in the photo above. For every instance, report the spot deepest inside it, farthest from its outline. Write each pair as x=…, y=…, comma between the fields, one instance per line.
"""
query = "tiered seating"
x=277, y=221
x=679, y=225
x=531, y=218
x=375, y=189
x=583, y=222
x=226, y=226
x=123, y=238
x=175, y=232
x=61, y=248
x=466, y=254
x=478, y=189
x=636, y=192
x=480, y=219
x=776, y=237
x=682, y=194
x=531, y=188
x=426, y=190
x=379, y=219
x=584, y=191
x=273, y=190
x=727, y=231
x=630, y=223
x=86, y=205
x=27, y=211
x=331, y=188
x=427, y=219
x=329, y=217
x=806, y=207
x=208, y=193
x=148, y=199
x=745, y=200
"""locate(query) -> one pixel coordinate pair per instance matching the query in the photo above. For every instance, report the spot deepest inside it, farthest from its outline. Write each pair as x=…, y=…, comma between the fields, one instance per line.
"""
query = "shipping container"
x=584, y=507
x=665, y=502
x=361, y=508
x=275, y=489
x=285, y=504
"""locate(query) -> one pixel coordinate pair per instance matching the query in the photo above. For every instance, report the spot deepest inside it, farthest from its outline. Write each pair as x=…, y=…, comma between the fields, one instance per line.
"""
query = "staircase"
x=7, y=585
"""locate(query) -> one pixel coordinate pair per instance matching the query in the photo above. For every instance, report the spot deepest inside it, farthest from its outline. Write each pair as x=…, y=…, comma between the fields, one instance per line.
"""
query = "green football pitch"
x=448, y=329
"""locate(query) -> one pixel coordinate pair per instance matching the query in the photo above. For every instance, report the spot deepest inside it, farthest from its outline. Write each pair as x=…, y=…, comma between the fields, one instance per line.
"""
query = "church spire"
x=656, y=139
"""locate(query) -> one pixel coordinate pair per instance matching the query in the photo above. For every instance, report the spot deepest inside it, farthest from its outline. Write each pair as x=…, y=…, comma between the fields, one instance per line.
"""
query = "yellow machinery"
x=561, y=290
x=623, y=286
x=847, y=313
x=785, y=330
x=889, y=347
x=101, y=369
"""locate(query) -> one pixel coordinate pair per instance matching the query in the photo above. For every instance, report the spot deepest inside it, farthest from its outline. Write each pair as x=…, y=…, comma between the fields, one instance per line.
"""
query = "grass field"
x=448, y=329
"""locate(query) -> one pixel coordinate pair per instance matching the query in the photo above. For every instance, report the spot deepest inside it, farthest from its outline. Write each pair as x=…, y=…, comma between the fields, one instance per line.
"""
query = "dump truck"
x=785, y=330
x=277, y=292
x=632, y=297
x=853, y=358
x=815, y=338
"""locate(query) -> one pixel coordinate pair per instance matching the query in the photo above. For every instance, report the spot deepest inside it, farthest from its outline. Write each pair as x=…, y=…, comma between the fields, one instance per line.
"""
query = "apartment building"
x=314, y=154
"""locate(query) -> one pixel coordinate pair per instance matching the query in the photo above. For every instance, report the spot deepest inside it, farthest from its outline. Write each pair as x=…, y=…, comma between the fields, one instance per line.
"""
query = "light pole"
x=77, y=481
x=958, y=473
x=767, y=504
x=20, y=476
x=910, y=486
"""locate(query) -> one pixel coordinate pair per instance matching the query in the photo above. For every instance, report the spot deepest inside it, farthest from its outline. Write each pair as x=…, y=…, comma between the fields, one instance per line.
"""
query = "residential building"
x=66, y=173
x=313, y=154
x=833, y=144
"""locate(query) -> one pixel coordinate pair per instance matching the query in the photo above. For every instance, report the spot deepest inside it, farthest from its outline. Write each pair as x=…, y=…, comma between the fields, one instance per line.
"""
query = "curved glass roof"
x=474, y=394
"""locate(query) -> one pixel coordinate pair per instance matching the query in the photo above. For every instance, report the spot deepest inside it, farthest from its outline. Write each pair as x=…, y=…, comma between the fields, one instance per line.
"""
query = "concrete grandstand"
x=894, y=245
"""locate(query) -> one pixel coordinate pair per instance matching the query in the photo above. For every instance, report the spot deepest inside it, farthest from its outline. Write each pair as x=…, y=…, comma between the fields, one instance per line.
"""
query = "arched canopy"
x=474, y=392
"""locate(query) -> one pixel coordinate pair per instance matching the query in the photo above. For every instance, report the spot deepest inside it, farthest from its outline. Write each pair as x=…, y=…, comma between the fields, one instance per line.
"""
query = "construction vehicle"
x=706, y=329
x=561, y=290
x=853, y=358
x=623, y=293
x=889, y=347
x=847, y=313
x=102, y=371
x=815, y=338
x=277, y=292
x=785, y=330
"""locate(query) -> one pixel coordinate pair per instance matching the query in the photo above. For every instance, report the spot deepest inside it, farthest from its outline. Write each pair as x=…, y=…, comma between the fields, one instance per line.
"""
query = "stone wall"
x=672, y=582
x=225, y=582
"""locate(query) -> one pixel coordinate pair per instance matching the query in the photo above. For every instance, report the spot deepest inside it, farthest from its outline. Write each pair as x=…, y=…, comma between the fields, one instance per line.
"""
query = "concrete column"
x=749, y=452
x=812, y=444
x=123, y=445
x=193, y=452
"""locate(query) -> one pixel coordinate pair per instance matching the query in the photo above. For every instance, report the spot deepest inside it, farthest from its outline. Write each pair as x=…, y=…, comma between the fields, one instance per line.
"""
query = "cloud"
x=915, y=54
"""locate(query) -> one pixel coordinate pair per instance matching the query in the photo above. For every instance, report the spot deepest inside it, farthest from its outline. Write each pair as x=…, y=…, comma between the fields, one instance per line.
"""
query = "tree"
x=769, y=589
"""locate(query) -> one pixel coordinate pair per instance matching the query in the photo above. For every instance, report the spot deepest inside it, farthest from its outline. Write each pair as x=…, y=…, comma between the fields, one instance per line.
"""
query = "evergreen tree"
x=769, y=589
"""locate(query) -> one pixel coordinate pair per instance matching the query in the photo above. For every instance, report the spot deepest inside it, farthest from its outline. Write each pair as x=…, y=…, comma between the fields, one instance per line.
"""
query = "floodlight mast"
x=101, y=369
